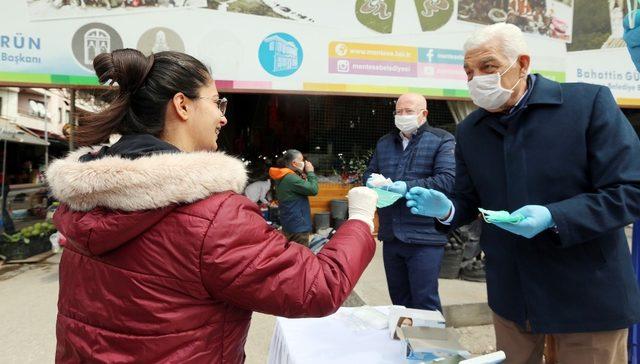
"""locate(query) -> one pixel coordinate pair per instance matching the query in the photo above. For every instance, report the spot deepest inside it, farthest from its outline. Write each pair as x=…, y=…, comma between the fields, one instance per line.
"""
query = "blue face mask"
x=631, y=25
x=386, y=198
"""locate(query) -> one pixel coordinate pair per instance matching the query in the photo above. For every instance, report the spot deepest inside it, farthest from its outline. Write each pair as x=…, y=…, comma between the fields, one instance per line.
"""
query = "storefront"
x=320, y=77
x=336, y=133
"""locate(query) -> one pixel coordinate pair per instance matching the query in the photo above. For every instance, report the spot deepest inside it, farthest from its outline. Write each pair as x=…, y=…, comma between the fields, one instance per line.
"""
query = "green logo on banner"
x=433, y=14
x=376, y=15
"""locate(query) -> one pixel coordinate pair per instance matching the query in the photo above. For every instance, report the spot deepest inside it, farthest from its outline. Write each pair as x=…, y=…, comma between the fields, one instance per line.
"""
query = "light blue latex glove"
x=428, y=202
x=536, y=219
x=397, y=187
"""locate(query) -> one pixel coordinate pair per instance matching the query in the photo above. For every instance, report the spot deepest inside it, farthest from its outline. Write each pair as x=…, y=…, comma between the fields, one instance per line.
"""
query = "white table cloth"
x=331, y=339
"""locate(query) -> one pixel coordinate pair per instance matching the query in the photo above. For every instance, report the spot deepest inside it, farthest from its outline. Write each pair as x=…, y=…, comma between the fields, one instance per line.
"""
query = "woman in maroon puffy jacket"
x=165, y=259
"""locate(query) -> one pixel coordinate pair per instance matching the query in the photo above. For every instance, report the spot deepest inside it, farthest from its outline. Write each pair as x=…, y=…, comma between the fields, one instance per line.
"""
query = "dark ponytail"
x=145, y=86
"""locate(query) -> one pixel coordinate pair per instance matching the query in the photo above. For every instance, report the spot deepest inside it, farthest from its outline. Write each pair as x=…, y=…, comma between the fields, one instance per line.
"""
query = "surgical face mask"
x=386, y=198
x=487, y=91
x=299, y=165
x=407, y=123
x=500, y=216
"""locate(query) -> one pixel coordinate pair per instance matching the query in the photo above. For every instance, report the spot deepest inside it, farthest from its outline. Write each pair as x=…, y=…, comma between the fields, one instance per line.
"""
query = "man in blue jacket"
x=632, y=38
x=566, y=162
x=414, y=155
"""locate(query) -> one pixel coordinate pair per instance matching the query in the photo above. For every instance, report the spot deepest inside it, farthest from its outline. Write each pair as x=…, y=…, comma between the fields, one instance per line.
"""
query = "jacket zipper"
x=527, y=323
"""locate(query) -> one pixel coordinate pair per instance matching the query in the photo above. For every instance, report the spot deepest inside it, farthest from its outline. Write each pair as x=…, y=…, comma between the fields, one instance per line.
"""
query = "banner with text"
x=377, y=47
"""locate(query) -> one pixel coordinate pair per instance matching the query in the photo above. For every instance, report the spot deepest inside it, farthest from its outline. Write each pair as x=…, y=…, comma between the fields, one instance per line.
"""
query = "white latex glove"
x=362, y=205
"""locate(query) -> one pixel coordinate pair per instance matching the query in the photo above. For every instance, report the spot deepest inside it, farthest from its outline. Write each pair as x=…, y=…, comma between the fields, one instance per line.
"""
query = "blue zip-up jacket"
x=428, y=161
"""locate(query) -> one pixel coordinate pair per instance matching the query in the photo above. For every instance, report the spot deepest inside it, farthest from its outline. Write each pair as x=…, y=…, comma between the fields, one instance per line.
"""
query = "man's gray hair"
x=289, y=156
x=509, y=37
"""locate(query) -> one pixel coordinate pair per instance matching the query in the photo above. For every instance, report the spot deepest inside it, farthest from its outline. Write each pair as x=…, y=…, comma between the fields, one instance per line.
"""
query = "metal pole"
x=46, y=132
x=72, y=120
x=634, y=332
x=4, y=174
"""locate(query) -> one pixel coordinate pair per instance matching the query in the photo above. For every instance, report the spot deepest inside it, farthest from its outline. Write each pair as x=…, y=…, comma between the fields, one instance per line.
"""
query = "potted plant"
x=352, y=169
x=27, y=242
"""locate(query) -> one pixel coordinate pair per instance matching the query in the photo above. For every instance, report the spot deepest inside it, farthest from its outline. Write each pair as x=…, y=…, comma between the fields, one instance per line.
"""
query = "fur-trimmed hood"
x=149, y=182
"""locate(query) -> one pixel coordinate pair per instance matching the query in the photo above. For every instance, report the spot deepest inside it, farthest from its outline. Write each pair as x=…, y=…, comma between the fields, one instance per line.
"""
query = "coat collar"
x=544, y=92
x=149, y=182
x=133, y=146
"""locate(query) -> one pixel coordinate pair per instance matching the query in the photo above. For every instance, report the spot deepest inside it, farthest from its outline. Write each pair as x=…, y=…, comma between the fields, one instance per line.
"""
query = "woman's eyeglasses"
x=220, y=102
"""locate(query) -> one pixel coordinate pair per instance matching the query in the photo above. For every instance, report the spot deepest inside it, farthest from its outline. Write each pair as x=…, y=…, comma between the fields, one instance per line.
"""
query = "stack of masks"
x=379, y=183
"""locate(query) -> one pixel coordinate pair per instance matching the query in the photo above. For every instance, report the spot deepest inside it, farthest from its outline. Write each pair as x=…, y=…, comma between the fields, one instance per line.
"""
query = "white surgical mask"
x=487, y=92
x=407, y=123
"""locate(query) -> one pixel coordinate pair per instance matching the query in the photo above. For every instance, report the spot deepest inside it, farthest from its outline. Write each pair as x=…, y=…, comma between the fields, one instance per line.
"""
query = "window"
x=36, y=108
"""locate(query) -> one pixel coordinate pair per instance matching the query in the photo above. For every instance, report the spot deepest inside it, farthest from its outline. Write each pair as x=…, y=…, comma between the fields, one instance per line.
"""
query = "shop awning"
x=14, y=133
x=50, y=135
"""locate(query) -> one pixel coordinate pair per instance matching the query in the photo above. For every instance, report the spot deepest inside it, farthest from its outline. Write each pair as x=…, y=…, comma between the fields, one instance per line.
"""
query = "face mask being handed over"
x=487, y=91
x=407, y=124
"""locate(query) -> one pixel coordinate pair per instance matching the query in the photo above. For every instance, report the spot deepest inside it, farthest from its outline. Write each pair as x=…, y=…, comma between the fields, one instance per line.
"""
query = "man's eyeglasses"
x=406, y=112
x=221, y=103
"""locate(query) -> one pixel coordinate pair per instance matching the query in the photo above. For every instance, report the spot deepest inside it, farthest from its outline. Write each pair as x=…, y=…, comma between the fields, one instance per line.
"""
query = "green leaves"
x=40, y=229
x=354, y=168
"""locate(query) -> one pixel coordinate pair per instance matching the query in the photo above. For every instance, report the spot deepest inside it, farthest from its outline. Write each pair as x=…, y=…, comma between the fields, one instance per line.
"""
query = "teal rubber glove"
x=536, y=220
x=397, y=187
x=429, y=203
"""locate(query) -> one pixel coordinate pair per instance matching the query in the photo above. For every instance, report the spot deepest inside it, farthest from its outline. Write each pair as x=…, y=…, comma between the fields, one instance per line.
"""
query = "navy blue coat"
x=427, y=162
x=572, y=150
